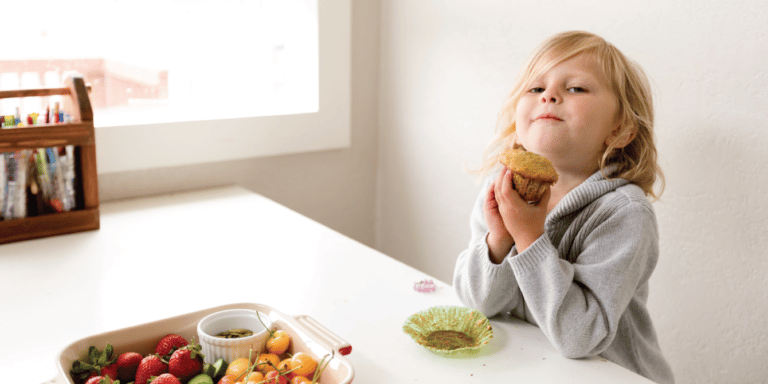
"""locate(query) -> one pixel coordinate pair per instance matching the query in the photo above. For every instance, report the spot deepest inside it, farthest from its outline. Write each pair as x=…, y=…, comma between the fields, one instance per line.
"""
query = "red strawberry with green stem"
x=150, y=366
x=96, y=363
x=101, y=380
x=186, y=362
x=168, y=344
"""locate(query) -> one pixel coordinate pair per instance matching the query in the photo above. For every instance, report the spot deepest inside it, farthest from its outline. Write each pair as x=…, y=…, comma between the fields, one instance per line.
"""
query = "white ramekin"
x=215, y=348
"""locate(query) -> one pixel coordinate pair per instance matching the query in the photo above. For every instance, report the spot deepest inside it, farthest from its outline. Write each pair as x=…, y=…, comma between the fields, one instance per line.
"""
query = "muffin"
x=531, y=173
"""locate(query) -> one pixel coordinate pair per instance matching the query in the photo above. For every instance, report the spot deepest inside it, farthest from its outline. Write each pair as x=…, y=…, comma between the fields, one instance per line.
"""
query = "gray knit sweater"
x=584, y=282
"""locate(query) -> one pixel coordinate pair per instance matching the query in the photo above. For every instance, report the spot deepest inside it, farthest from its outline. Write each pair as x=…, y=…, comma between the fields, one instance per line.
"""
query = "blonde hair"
x=635, y=161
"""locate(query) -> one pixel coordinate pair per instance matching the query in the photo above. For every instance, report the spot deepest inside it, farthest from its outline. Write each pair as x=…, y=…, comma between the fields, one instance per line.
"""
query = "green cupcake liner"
x=449, y=329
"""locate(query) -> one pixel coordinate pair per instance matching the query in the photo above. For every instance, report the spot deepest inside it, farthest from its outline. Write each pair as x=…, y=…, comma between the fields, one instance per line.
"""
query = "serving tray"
x=307, y=335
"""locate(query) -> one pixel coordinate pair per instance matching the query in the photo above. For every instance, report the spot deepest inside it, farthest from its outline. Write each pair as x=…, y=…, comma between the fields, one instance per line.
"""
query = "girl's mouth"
x=548, y=117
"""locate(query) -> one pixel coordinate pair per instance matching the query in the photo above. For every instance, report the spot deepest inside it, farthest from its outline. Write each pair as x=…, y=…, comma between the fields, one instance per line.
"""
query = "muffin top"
x=529, y=165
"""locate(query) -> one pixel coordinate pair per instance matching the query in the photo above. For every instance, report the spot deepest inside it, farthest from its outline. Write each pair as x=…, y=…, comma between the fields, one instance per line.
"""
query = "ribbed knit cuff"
x=530, y=259
x=484, y=250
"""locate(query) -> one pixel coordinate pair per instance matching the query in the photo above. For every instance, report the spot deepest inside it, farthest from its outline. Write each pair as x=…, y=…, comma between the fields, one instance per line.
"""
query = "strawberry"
x=168, y=344
x=97, y=363
x=110, y=370
x=150, y=366
x=127, y=363
x=99, y=380
x=186, y=362
x=166, y=378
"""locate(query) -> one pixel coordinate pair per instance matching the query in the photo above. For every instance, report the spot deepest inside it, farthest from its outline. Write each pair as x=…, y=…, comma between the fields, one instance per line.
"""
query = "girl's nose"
x=549, y=97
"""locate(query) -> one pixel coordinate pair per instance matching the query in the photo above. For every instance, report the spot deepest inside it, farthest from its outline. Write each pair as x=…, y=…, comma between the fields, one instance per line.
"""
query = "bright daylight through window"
x=159, y=61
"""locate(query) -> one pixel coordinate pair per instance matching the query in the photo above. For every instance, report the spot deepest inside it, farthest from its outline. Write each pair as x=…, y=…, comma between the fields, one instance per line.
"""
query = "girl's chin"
x=543, y=149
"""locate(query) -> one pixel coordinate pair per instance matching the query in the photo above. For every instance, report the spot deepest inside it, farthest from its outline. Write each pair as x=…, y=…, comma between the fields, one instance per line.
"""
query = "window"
x=177, y=82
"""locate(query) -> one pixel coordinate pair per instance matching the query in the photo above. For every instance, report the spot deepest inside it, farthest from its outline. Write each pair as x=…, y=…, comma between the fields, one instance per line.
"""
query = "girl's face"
x=568, y=115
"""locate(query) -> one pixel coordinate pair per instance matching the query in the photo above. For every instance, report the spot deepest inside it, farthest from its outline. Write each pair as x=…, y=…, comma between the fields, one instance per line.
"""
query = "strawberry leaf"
x=93, y=354
x=76, y=367
x=195, y=349
x=105, y=358
x=93, y=362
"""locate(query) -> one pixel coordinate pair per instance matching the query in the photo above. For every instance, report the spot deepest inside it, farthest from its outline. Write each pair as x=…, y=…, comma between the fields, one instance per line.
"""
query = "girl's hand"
x=523, y=221
x=499, y=240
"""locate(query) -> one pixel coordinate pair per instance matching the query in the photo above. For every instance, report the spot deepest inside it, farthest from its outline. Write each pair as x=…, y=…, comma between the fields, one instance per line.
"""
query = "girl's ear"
x=621, y=137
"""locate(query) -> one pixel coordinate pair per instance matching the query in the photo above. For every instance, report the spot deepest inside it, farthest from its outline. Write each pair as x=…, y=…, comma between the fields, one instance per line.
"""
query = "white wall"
x=445, y=69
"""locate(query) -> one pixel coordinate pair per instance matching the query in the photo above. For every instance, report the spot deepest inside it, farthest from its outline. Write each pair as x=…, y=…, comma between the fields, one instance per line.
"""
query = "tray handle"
x=332, y=341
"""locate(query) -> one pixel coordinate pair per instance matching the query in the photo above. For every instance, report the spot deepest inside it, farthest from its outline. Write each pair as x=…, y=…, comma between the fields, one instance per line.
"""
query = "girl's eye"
x=537, y=90
x=576, y=90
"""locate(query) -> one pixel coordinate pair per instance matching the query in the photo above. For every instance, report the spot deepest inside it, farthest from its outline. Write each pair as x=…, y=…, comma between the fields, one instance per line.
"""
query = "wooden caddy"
x=79, y=133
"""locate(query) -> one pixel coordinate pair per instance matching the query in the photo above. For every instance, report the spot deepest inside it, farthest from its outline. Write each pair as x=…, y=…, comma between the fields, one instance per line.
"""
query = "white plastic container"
x=307, y=335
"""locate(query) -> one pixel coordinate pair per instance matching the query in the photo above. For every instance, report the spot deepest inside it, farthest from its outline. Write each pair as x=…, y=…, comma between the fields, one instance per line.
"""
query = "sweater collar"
x=587, y=192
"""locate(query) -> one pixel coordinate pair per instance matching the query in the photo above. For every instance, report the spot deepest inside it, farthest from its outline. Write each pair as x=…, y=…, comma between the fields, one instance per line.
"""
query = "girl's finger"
x=490, y=195
x=507, y=188
x=510, y=193
x=498, y=182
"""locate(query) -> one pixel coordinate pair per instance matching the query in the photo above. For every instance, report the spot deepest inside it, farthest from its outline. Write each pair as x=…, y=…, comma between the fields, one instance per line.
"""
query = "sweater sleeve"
x=578, y=305
x=478, y=282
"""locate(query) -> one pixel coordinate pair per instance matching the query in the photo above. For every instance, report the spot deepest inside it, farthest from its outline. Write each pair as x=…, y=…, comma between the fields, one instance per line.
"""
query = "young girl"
x=577, y=263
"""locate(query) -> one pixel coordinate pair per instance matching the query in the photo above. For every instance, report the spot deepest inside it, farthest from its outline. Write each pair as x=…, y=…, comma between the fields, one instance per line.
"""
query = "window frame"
x=147, y=146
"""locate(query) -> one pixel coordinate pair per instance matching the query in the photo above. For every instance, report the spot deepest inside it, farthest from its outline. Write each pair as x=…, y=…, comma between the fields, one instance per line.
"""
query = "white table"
x=236, y=246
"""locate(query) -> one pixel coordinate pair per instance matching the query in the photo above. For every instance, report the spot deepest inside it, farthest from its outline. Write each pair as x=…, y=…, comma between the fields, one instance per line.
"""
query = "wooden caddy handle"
x=38, y=92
